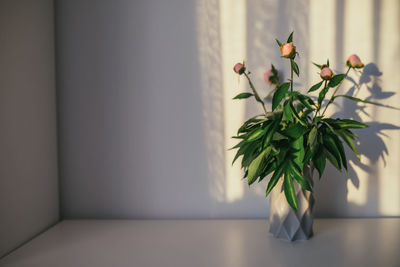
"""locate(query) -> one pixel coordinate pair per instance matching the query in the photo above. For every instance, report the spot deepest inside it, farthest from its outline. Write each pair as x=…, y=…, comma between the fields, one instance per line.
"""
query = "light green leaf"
x=254, y=167
x=297, y=145
x=290, y=194
x=287, y=111
x=256, y=134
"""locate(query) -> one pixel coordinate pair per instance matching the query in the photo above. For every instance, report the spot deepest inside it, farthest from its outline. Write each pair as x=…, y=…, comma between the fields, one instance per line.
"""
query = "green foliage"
x=290, y=38
x=315, y=87
x=279, y=95
x=295, y=67
x=243, y=95
x=295, y=133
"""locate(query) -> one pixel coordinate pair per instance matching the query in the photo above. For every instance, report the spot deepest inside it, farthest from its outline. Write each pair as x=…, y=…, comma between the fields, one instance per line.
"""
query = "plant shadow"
x=371, y=146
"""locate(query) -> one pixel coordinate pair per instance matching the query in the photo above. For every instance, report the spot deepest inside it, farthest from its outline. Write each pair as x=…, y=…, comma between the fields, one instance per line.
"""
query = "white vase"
x=285, y=222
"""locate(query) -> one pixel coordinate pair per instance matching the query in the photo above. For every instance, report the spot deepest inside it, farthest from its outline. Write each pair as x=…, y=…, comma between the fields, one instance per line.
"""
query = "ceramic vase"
x=285, y=222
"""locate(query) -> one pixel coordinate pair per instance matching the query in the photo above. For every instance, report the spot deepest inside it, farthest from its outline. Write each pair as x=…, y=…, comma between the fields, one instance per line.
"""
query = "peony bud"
x=354, y=62
x=267, y=75
x=288, y=50
x=239, y=68
x=326, y=73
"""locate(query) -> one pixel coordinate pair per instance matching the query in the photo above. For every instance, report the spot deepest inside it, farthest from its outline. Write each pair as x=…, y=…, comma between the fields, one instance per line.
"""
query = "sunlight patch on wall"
x=233, y=50
x=389, y=43
x=322, y=34
x=358, y=38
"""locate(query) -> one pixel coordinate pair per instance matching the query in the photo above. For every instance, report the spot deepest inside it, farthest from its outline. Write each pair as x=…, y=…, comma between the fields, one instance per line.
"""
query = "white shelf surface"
x=208, y=243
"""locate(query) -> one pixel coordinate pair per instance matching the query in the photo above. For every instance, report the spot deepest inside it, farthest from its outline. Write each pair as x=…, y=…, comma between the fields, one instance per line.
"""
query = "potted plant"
x=294, y=138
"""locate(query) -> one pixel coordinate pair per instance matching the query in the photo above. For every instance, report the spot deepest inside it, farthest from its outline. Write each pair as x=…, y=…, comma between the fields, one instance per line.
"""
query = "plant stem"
x=337, y=88
x=256, y=95
x=291, y=76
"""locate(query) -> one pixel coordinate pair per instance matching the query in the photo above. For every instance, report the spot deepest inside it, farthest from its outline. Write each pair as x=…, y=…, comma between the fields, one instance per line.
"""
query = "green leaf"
x=287, y=111
x=243, y=95
x=299, y=177
x=319, y=160
x=277, y=136
x=312, y=137
x=279, y=95
x=358, y=100
x=294, y=112
x=271, y=166
x=295, y=67
x=349, y=142
x=274, y=70
x=256, y=134
x=240, y=152
x=306, y=101
x=317, y=65
x=322, y=95
x=330, y=145
x=289, y=191
x=290, y=38
x=255, y=165
x=279, y=43
x=274, y=179
x=315, y=87
x=346, y=123
x=250, y=153
x=336, y=79
x=340, y=147
x=299, y=154
x=270, y=133
x=294, y=131
x=333, y=160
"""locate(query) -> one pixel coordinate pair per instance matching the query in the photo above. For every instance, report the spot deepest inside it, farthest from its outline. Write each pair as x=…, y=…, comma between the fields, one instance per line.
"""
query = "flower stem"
x=291, y=75
x=337, y=88
x=256, y=95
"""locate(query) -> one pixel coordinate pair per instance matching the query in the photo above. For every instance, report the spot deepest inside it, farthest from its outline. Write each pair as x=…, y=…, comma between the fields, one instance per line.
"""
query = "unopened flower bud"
x=288, y=50
x=354, y=61
x=326, y=73
x=239, y=68
x=267, y=76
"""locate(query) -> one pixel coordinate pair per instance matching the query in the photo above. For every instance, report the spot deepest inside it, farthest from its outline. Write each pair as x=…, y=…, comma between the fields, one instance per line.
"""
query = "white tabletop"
x=205, y=243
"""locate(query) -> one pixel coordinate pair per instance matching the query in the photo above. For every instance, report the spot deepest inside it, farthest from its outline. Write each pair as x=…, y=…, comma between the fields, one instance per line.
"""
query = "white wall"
x=28, y=154
x=145, y=103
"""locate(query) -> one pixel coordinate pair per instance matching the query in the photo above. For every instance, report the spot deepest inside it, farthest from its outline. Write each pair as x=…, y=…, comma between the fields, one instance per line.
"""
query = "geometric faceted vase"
x=285, y=222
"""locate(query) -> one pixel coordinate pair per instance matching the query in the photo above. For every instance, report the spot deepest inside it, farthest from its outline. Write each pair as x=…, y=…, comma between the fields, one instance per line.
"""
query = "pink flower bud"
x=239, y=68
x=326, y=73
x=267, y=75
x=288, y=50
x=354, y=61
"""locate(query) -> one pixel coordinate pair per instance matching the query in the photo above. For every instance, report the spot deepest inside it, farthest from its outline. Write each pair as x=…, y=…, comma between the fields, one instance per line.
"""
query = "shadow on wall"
x=266, y=20
x=371, y=146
